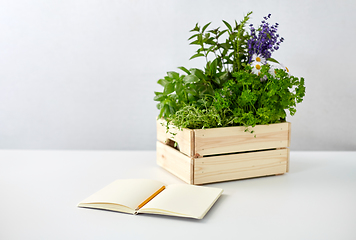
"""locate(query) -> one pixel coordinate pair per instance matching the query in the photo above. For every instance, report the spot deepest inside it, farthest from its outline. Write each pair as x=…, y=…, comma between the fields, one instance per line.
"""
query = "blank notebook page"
x=185, y=199
x=127, y=192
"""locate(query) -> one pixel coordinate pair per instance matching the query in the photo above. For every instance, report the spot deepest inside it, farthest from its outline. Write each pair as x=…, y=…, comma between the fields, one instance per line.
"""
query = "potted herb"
x=241, y=90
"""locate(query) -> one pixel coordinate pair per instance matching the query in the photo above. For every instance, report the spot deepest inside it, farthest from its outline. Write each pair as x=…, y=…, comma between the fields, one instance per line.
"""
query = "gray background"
x=80, y=74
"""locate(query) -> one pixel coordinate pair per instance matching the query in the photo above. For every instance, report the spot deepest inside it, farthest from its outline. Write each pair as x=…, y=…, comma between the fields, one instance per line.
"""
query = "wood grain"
x=175, y=162
x=223, y=154
x=184, y=138
x=238, y=166
x=235, y=139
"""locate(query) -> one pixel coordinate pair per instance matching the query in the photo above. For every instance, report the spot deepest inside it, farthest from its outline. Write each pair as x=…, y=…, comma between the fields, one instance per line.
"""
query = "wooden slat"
x=183, y=137
x=175, y=162
x=289, y=133
x=239, y=166
x=288, y=160
x=235, y=139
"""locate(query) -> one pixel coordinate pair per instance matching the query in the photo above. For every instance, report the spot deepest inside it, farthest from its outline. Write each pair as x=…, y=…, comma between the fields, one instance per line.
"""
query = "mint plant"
x=240, y=85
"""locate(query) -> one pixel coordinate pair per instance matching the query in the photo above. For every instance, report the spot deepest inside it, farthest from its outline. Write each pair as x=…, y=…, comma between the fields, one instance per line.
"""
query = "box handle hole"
x=172, y=143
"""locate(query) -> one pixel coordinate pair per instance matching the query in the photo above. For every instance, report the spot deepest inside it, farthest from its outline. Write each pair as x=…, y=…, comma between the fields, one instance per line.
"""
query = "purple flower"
x=265, y=41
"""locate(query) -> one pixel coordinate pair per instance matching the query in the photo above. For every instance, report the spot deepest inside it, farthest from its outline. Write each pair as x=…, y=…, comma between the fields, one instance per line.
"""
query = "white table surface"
x=40, y=191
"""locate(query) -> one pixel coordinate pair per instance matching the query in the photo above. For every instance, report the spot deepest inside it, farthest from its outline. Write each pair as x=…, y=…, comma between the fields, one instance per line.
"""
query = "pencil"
x=150, y=198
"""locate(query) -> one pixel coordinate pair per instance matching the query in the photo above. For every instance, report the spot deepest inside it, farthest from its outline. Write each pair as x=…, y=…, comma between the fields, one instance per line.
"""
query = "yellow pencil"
x=150, y=198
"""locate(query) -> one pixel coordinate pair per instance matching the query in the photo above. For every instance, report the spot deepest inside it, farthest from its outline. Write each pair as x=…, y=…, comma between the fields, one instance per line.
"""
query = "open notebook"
x=150, y=196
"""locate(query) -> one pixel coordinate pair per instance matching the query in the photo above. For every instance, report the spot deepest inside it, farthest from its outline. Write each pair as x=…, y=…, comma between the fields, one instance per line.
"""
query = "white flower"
x=285, y=68
x=274, y=66
x=258, y=59
x=256, y=67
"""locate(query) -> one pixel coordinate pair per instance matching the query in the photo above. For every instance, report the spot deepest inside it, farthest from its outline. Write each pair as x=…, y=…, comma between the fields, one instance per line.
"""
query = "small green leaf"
x=196, y=28
x=168, y=79
x=272, y=60
x=160, y=115
x=210, y=41
x=179, y=88
x=196, y=55
x=173, y=75
x=213, y=67
x=203, y=29
x=169, y=88
x=216, y=80
x=162, y=82
x=199, y=73
x=196, y=42
x=160, y=97
x=191, y=91
x=171, y=110
x=200, y=38
x=191, y=98
x=166, y=110
x=159, y=105
x=193, y=36
x=221, y=33
x=228, y=25
x=223, y=75
x=225, y=46
x=184, y=70
x=191, y=79
x=210, y=49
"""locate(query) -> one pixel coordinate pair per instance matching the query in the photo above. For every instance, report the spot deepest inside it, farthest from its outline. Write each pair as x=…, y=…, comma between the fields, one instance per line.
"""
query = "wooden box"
x=222, y=154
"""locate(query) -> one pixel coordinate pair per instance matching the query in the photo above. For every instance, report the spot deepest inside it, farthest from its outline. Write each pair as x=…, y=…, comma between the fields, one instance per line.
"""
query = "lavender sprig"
x=265, y=40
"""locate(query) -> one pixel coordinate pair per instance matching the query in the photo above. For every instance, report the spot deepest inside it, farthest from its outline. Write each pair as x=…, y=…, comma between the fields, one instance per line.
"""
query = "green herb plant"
x=228, y=91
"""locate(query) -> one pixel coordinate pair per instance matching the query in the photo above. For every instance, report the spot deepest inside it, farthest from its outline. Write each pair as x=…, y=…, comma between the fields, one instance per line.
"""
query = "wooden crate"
x=222, y=154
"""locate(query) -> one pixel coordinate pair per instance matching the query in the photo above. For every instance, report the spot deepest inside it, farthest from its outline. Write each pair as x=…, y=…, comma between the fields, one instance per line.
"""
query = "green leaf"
x=173, y=75
x=272, y=60
x=222, y=75
x=191, y=79
x=225, y=46
x=203, y=29
x=196, y=28
x=159, y=105
x=169, y=88
x=162, y=82
x=196, y=55
x=159, y=97
x=210, y=41
x=199, y=73
x=213, y=66
x=200, y=38
x=193, y=36
x=160, y=115
x=228, y=25
x=210, y=49
x=168, y=79
x=221, y=33
x=179, y=88
x=191, y=92
x=236, y=25
x=184, y=70
x=196, y=42
x=171, y=110
x=166, y=110
x=191, y=98
x=214, y=31
x=216, y=80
